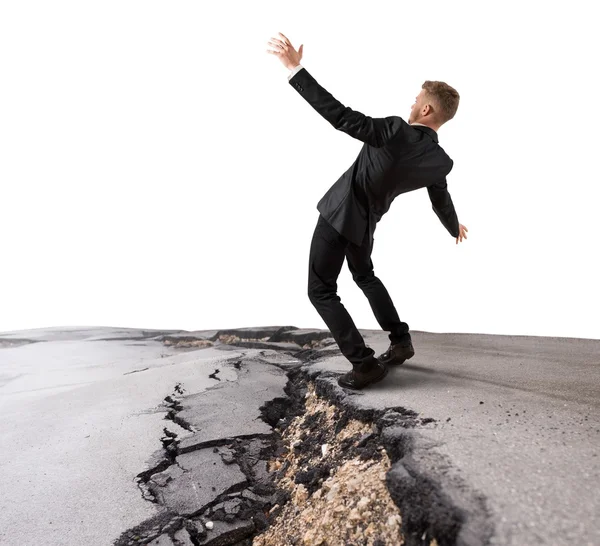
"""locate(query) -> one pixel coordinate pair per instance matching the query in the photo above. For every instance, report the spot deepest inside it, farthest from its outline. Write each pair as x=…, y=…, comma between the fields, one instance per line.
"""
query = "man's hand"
x=285, y=51
x=461, y=233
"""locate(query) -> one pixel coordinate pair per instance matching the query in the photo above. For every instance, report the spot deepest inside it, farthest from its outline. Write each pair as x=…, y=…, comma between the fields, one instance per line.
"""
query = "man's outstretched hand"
x=286, y=52
x=462, y=229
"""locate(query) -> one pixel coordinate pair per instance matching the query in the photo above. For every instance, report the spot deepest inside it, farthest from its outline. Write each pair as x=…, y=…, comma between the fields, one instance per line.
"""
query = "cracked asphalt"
x=77, y=427
x=511, y=433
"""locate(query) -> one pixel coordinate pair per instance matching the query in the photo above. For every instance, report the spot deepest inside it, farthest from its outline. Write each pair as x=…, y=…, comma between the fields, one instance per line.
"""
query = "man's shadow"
x=416, y=376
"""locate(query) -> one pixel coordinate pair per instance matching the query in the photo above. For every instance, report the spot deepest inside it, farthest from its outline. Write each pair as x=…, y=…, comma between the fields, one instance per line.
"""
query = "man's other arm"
x=444, y=208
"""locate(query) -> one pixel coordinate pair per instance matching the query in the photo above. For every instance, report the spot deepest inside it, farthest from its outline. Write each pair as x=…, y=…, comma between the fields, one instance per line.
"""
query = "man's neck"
x=422, y=124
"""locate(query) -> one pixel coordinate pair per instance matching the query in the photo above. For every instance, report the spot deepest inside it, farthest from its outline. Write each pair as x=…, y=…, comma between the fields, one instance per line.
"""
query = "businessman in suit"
x=396, y=157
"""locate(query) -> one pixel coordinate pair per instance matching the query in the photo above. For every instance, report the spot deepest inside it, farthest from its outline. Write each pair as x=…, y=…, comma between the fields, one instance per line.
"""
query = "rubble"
x=338, y=495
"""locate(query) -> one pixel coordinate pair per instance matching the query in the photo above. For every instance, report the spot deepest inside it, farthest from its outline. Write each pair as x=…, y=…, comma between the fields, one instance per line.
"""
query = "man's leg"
x=327, y=252
x=361, y=267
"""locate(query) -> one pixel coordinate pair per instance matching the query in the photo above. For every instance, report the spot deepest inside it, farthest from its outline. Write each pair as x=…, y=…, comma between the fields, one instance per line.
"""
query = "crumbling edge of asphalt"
x=433, y=503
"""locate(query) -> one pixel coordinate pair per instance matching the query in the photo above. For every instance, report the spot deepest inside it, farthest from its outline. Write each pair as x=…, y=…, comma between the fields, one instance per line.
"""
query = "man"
x=397, y=157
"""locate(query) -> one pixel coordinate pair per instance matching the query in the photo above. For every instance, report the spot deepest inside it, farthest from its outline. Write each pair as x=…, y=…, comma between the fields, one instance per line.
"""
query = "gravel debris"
x=338, y=495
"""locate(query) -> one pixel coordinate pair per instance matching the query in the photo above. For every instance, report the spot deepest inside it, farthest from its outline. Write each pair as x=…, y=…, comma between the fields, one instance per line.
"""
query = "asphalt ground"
x=508, y=428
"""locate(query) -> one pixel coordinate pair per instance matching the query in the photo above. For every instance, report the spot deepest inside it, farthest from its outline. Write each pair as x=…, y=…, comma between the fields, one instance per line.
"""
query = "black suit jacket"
x=396, y=158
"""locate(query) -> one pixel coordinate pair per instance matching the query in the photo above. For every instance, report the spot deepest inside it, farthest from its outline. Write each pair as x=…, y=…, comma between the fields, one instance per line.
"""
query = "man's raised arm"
x=373, y=131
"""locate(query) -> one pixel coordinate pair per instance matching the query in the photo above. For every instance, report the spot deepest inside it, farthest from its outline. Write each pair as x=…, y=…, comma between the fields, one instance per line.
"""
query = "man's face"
x=417, y=107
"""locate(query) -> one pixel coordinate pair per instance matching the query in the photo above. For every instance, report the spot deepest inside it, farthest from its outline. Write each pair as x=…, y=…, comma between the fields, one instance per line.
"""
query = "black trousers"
x=327, y=252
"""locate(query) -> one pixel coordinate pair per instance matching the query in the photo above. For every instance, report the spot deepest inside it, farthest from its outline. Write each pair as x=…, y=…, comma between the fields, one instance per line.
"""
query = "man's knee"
x=364, y=279
x=313, y=293
x=321, y=294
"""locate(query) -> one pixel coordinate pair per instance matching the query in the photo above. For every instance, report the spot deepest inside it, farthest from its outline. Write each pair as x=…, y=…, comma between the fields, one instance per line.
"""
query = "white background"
x=157, y=169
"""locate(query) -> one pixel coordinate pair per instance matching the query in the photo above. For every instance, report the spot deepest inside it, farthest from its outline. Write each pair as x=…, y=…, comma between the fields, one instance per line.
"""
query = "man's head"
x=434, y=105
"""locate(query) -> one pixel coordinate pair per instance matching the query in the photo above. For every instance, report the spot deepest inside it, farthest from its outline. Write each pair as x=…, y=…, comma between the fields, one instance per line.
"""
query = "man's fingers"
x=288, y=42
x=276, y=51
x=280, y=43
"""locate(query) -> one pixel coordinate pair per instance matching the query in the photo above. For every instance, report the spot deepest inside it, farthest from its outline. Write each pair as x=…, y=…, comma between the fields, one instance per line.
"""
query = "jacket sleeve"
x=444, y=208
x=373, y=131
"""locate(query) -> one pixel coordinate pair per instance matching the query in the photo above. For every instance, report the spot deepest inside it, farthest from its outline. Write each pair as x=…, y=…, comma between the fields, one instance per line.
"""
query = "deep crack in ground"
x=323, y=476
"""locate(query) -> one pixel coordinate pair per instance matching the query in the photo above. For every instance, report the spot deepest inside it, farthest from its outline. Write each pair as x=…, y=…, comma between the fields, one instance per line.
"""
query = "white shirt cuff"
x=294, y=71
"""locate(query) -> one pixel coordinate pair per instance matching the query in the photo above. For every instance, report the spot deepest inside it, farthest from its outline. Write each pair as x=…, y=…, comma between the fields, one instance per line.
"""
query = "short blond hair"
x=445, y=97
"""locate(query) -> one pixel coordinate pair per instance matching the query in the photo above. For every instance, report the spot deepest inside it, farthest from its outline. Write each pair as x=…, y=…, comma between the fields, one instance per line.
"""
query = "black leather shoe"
x=359, y=380
x=397, y=354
